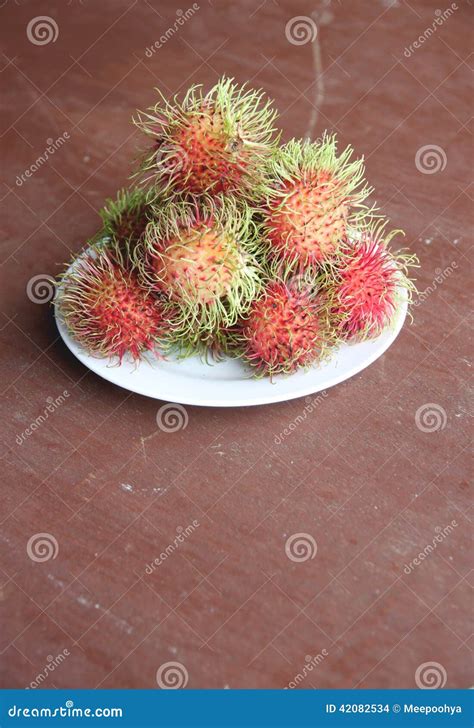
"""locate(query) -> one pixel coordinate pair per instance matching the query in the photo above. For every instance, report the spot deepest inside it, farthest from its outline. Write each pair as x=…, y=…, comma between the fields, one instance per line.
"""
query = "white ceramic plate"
x=228, y=383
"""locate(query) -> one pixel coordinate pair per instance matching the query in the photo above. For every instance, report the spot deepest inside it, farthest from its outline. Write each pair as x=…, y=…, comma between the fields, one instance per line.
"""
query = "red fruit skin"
x=307, y=226
x=366, y=291
x=282, y=332
x=207, y=158
x=109, y=313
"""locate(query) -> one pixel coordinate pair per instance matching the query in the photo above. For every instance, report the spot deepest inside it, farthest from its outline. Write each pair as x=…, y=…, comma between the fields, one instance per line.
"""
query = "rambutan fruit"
x=125, y=218
x=106, y=309
x=367, y=283
x=314, y=195
x=285, y=329
x=200, y=257
x=209, y=143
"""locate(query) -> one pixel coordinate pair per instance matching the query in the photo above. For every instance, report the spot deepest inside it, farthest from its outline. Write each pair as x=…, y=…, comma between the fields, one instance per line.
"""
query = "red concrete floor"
x=371, y=477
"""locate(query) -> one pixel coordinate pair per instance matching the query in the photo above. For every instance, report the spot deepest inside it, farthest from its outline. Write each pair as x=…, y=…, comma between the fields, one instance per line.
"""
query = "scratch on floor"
x=161, y=491
x=144, y=440
x=217, y=452
x=121, y=623
x=322, y=16
x=319, y=88
x=56, y=582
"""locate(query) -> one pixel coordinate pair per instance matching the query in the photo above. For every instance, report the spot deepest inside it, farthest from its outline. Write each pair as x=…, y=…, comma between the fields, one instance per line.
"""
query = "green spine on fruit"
x=199, y=255
x=125, y=218
x=315, y=195
x=286, y=328
x=106, y=309
x=368, y=282
x=209, y=143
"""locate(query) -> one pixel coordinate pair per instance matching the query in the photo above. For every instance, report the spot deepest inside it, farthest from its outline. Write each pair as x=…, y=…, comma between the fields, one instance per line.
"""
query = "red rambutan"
x=284, y=329
x=313, y=197
x=217, y=142
x=105, y=308
x=366, y=283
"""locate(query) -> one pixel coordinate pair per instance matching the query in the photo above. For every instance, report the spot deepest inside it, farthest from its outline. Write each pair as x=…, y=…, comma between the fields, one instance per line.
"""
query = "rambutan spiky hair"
x=200, y=256
x=368, y=283
x=286, y=328
x=315, y=194
x=106, y=310
x=125, y=218
x=209, y=143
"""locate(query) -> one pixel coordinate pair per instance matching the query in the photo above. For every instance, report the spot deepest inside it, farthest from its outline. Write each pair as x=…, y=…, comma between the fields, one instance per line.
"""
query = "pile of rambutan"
x=229, y=242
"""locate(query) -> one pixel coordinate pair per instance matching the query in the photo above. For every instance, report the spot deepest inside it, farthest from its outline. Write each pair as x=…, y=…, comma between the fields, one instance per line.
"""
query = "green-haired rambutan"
x=285, y=329
x=106, y=309
x=367, y=283
x=199, y=256
x=209, y=143
x=125, y=218
x=314, y=195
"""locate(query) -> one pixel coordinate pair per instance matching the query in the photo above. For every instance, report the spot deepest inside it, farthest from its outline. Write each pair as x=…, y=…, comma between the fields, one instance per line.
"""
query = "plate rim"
x=258, y=400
